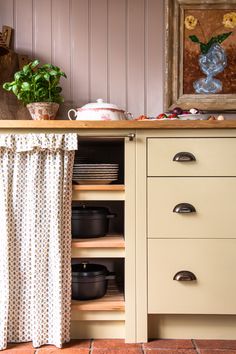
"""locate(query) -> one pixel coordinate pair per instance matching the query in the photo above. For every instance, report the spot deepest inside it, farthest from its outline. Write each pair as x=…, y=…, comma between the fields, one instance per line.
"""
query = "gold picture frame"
x=185, y=24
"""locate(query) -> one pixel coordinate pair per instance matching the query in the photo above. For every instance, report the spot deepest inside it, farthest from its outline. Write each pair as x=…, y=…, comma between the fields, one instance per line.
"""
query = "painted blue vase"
x=211, y=64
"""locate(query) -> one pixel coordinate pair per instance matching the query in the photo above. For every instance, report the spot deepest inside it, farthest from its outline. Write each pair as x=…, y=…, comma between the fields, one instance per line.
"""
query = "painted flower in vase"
x=213, y=58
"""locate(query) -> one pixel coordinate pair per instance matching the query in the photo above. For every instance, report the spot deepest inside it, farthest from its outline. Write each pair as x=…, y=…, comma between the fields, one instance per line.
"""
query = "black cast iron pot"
x=90, y=221
x=89, y=281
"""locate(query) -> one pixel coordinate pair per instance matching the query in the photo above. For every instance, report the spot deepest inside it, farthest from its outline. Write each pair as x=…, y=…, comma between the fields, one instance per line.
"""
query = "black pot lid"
x=88, y=269
x=88, y=210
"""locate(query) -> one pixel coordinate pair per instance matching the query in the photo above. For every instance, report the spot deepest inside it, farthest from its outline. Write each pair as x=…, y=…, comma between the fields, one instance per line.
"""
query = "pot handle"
x=111, y=216
x=128, y=115
x=72, y=110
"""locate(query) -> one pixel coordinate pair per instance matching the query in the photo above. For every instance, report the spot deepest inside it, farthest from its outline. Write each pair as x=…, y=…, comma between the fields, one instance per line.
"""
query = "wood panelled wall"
x=110, y=49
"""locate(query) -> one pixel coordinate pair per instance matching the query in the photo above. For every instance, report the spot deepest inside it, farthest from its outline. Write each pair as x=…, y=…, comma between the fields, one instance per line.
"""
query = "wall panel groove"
x=98, y=58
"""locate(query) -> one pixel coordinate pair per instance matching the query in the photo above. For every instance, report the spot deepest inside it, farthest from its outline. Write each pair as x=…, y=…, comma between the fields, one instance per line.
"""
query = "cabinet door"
x=213, y=262
x=213, y=157
x=214, y=200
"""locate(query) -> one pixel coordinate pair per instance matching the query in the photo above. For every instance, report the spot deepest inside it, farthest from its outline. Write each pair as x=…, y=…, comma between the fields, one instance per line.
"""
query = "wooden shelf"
x=110, y=241
x=98, y=192
x=122, y=124
x=112, y=301
x=98, y=187
x=110, y=246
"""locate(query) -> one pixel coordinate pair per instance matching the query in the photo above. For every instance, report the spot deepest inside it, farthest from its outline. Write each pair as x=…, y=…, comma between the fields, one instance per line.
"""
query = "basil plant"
x=36, y=83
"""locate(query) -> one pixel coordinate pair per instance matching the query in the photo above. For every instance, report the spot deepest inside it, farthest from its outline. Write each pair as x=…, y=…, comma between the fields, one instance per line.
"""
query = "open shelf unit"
x=107, y=313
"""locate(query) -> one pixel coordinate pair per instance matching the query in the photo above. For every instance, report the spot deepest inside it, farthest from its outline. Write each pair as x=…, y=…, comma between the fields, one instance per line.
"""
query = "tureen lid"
x=99, y=104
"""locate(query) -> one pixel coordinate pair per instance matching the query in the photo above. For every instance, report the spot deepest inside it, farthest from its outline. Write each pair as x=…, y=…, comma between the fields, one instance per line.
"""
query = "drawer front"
x=214, y=157
x=213, y=262
x=214, y=200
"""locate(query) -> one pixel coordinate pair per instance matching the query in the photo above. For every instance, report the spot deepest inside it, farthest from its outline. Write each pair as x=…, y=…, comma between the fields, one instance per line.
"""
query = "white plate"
x=95, y=168
x=193, y=116
x=95, y=174
x=94, y=178
x=94, y=181
x=95, y=171
x=97, y=164
x=156, y=119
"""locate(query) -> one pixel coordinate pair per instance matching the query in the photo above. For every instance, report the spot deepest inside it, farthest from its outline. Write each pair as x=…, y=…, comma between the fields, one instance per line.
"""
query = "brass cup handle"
x=184, y=275
x=184, y=157
x=184, y=208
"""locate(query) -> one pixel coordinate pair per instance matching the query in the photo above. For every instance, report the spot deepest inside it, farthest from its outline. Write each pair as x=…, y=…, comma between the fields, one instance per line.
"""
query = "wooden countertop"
x=166, y=124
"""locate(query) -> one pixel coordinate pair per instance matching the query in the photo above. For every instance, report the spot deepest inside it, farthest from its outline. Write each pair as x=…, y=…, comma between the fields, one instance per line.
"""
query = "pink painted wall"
x=110, y=49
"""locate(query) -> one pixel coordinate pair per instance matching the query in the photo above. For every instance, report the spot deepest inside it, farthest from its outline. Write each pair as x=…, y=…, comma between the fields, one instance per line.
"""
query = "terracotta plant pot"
x=43, y=110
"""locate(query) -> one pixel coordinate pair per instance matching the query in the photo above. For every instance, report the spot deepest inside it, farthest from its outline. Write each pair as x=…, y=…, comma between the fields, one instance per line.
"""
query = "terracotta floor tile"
x=19, y=348
x=114, y=344
x=74, y=347
x=63, y=351
x=217, y=351
x=170, y=351
x=118, y=351
x=19, y=351
x=169, y=344
x=215, y=344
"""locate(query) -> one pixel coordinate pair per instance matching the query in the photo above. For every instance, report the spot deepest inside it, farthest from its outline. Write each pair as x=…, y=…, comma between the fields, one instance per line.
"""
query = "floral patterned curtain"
x=35, y=237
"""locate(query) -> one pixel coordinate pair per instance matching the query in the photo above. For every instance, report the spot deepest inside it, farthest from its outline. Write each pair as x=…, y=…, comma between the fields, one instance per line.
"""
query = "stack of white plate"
x=95, y=173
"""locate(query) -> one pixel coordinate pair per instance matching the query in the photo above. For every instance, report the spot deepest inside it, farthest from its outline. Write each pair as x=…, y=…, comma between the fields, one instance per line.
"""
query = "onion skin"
x=177, y=111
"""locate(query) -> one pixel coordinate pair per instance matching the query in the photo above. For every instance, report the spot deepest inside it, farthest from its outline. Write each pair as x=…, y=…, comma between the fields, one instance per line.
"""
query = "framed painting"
x=200, y=54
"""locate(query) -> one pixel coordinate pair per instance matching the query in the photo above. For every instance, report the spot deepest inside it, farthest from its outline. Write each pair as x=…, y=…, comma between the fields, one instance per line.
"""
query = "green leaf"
x=34, y=63
x=53, y=72
x=7, y=86
x=15, y=89
x=18, y=75
x=222, y=37
x=47, y=66
x=38, y=77
x=218, y=39
x=26, y=69
x=46, y=76
x=25, y=86
x=194, y=39
x=204, y=48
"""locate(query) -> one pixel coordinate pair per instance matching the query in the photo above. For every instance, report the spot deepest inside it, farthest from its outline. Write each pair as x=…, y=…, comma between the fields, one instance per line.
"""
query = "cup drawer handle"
x=184, y=208
x=184, y=275
x=184, y=157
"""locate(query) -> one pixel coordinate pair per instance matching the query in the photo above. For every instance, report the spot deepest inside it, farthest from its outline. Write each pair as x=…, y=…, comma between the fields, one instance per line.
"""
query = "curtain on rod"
x=35, y=237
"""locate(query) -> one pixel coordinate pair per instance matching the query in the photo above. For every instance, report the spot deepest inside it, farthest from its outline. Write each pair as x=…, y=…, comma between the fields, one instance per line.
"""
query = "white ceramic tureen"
x=99, y=110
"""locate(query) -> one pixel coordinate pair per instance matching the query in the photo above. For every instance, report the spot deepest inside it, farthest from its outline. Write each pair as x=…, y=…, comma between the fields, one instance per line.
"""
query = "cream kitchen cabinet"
x=193, y=157
x=166, y=165
x=213, y=200
x=190, y=232
x=213, y=263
